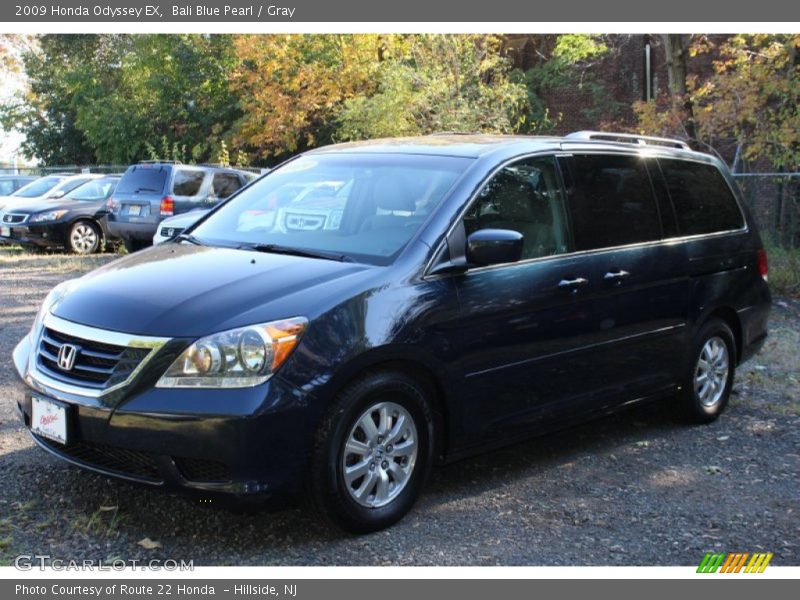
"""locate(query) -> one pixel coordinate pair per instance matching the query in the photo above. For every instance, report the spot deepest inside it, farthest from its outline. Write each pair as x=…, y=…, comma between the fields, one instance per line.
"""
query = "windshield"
x=362, y=206
x=38, y=187
x=96, y=189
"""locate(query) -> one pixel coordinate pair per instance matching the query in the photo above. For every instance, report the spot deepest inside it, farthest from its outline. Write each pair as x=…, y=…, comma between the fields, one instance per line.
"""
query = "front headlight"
x=53, y=215
x=55, y=295
x=237, y=358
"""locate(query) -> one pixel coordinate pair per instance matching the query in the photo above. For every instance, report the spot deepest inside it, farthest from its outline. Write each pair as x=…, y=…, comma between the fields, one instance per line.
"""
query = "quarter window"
x=611, y=202
x=702, y=198
x=525, y=197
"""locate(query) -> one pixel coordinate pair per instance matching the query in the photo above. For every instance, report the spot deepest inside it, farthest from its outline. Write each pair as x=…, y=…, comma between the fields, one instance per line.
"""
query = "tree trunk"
x=676, y=48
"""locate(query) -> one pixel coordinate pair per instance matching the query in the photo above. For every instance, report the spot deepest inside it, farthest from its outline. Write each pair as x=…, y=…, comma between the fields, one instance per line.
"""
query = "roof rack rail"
x=628, y=138
x=158, y=162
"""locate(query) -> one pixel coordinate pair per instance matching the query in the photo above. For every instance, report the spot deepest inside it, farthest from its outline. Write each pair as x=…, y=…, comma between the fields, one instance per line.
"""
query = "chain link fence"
x=774, y=201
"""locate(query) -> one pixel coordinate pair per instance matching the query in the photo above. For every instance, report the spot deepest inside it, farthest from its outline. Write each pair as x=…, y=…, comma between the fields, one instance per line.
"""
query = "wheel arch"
x=416, y=367
x=731, y=318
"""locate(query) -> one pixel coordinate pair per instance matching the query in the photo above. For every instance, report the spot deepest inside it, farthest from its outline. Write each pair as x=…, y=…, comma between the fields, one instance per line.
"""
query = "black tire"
x=328, y=489
x=84, y=237
x=693, y=407
x=132, y=245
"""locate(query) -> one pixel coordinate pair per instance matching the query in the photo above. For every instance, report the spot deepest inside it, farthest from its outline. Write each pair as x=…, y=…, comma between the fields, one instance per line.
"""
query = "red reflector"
x=761, y=263
x=167, y=206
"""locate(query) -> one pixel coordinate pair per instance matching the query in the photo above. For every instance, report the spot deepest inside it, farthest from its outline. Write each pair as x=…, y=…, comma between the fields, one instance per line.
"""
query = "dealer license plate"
x=49, y=419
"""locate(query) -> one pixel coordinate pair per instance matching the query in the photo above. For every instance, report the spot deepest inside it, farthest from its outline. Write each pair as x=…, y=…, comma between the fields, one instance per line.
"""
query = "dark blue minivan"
x=439, y=296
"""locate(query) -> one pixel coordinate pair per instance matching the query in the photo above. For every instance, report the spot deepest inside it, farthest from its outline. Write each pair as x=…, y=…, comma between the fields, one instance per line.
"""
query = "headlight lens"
x=56, y=294
x=53, y=215
x=242, y=357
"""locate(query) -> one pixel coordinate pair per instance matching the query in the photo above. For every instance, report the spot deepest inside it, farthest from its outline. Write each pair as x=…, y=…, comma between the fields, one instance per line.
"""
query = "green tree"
x=569, y=65
x=428, y=83
x=45, y=113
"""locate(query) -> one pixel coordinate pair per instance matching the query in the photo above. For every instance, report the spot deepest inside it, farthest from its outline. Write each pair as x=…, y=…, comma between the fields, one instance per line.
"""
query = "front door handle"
x=616, y=275
x=573, y=283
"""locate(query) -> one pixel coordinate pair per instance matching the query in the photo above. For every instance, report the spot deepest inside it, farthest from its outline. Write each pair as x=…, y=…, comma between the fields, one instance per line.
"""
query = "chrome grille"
x=171, y=232
x=14, y=219
x=99, y=361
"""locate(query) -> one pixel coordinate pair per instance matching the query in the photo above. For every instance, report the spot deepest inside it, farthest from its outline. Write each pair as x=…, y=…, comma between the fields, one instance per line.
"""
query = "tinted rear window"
x=702, y=198
x=187, y=182
x=142, y=180
x=611, y=202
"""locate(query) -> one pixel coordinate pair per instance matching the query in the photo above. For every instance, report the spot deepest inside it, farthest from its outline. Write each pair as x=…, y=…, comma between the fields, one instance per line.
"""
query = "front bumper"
x=251, y=442
x=43, y=236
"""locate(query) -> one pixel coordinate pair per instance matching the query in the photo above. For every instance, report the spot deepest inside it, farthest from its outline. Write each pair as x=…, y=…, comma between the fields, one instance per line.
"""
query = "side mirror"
x=56, y=195
x=494, y=246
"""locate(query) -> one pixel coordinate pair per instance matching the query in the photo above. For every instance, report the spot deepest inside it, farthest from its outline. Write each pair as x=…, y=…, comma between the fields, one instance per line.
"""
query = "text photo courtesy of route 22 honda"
x=457, y=293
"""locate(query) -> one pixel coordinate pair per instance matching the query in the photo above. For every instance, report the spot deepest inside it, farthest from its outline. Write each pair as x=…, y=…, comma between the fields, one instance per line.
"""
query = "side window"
x=224, y=184
x=701, y=196
x=187, y=182
x=525, y=197
x=611, y=202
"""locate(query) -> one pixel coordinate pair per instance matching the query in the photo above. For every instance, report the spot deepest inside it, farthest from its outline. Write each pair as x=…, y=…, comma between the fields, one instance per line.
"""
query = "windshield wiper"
x=145, y=189
x=278, y=249
x=187, y=237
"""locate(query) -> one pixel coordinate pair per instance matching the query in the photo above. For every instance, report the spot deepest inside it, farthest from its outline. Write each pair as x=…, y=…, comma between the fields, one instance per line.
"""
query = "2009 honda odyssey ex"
x=461, y=292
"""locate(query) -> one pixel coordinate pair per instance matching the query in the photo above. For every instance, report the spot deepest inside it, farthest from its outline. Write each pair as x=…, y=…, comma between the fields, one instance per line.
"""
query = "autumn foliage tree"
x=750, y=99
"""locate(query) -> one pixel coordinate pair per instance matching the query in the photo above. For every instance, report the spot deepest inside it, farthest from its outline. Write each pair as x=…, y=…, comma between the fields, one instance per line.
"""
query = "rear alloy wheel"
x=708, y=386
x=84, y=237
x=373, y=452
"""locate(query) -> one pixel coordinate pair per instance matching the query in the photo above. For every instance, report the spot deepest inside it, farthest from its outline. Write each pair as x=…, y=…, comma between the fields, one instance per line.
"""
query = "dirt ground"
x=636, y=488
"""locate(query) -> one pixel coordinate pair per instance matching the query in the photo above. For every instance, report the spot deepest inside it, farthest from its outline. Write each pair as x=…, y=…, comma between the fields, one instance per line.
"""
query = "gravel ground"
x=632, y=489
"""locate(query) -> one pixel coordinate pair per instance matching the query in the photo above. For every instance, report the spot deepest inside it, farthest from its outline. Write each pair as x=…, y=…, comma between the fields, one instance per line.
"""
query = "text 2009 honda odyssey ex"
x=475, y=290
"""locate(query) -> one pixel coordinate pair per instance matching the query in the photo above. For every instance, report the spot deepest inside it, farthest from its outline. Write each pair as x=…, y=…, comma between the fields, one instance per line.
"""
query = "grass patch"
x=784, y=268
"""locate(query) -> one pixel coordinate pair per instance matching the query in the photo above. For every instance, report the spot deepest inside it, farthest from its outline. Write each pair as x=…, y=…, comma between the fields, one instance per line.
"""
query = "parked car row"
x=87, y=212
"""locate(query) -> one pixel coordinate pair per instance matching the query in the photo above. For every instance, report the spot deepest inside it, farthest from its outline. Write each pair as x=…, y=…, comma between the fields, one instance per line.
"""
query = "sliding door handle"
x=573, y=283
x=616, y=275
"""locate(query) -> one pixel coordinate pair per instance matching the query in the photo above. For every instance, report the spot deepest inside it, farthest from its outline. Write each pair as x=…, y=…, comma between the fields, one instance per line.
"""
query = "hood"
x=180, y=290
x=27, y=206
x=15, y=203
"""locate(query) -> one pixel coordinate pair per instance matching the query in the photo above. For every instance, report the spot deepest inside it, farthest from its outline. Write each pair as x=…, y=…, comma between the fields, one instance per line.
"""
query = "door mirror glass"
x=494, y=246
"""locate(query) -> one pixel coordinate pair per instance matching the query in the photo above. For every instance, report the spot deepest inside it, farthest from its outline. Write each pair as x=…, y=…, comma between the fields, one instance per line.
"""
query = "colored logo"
x=734, y=562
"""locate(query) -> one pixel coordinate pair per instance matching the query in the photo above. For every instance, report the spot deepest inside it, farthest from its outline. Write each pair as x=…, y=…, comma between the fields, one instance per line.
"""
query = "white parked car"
x=49, y=187
x=174, y=226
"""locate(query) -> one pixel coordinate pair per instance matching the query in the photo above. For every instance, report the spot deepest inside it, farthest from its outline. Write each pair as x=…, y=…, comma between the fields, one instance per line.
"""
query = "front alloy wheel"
x=379, y=454
x=373, y=452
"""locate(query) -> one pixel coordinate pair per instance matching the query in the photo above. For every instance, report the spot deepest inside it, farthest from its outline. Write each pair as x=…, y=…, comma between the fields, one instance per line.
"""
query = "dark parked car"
x=75, y=221
x=11, y=183
x=152, y=191
x=475, y=291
